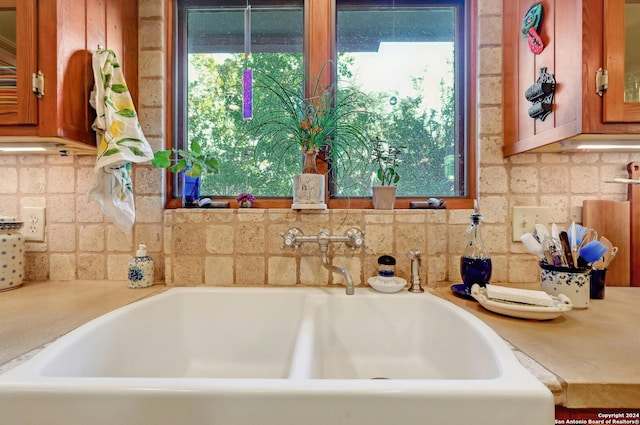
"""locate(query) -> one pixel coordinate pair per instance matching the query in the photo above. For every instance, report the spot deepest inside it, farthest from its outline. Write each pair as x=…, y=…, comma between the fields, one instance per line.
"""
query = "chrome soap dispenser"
x=475, y=263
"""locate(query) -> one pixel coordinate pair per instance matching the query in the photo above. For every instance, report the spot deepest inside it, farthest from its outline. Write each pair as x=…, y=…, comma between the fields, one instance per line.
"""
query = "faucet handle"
x=414, y=254
x=356, y=238
x=290, y=238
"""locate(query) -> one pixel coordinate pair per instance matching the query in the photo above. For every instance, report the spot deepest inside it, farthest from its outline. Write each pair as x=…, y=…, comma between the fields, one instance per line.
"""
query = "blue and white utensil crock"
x=575, y=283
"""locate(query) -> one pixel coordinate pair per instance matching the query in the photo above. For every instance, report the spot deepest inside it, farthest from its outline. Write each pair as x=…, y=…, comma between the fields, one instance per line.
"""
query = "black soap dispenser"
x=386, y=266
x=475, y=263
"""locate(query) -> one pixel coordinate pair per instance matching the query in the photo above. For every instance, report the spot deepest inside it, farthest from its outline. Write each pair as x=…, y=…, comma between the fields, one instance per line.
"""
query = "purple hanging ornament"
x=247, y=74
x=247, y=94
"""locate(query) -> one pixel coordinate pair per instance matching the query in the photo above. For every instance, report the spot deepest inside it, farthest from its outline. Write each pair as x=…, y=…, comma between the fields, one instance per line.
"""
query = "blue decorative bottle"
x=475, y=263
x=141, y=271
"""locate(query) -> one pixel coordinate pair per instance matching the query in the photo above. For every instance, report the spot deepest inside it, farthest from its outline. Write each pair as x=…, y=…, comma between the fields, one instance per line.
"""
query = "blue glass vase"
x=190, y=191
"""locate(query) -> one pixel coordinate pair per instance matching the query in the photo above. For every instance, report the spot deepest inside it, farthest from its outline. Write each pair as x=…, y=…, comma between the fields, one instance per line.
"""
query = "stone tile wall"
x=243, y=247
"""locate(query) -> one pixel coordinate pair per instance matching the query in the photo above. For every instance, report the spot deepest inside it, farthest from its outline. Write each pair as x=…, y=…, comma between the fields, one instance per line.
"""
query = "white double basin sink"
x=303, y=356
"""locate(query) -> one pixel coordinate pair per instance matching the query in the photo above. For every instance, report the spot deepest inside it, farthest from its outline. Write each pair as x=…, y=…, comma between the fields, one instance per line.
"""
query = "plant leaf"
x=179, y=166
x=161, y=159
x=194, y=171
x=212, y=165
x=195, y=146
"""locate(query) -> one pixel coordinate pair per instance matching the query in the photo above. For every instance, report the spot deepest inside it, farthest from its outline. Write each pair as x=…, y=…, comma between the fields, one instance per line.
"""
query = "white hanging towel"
x=119, y=139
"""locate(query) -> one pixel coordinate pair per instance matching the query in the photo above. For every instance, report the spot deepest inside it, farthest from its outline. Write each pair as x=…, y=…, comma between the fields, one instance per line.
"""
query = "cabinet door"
x=18, y=103
x=622, y=60
x=560, y=31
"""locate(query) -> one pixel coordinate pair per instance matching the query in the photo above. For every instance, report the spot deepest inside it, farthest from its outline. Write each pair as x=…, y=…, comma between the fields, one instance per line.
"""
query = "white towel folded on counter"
x=524, y=296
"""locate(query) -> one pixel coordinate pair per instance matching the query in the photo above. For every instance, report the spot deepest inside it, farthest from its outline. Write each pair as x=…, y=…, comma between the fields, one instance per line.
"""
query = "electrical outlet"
x=33, y=228
x=524, y=219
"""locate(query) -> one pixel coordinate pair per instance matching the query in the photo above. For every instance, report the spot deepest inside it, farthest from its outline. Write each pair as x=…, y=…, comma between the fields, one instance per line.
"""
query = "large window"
x=408, y=57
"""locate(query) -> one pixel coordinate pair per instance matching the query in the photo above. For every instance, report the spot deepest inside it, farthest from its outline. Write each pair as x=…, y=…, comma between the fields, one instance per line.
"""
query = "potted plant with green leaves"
x=386, y=159
x=318, y=123
x=192, y=164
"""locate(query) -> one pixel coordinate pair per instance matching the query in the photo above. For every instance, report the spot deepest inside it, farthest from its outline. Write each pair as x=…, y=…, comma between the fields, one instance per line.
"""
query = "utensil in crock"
x=532, y=245
x=612, y=254
x=592, y=251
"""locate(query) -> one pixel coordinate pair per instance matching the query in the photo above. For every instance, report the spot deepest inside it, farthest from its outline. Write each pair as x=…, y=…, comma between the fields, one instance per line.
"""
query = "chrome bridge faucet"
x=353, y=238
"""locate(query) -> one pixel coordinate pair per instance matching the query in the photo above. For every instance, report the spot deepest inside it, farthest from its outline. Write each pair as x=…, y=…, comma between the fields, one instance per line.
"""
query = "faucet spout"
x=353, y=238
x=344, y=272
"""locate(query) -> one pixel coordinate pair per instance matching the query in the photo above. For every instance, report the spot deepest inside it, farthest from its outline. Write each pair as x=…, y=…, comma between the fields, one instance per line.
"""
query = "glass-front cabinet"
x=17, y=61
x=622, y=60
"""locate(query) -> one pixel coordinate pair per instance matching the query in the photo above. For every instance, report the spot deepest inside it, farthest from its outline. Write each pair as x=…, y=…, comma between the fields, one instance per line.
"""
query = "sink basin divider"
x=302, y=361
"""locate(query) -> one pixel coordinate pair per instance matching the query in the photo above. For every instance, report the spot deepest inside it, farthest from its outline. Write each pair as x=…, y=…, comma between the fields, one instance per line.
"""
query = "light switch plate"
x=34, y=221
x=524, y=219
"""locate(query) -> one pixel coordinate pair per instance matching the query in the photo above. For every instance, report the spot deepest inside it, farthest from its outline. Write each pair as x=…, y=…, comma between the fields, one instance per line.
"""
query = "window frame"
x=319, y=48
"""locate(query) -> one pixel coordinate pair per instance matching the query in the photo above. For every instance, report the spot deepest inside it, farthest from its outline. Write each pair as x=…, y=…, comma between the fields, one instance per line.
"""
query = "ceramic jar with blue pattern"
x=573, y=282
x=11, y=253
x=141, y=269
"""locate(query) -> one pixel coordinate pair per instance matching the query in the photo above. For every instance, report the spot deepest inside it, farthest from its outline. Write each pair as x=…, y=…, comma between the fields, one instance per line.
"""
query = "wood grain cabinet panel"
x=575, y=39
x=17, y=102
x=64, y=37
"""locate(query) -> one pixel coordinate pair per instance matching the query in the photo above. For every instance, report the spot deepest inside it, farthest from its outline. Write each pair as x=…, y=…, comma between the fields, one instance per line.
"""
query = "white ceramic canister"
x=141, y=270
x=11, y=253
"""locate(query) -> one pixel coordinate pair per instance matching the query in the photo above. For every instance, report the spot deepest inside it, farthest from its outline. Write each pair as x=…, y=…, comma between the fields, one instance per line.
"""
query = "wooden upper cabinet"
x=622, y=60
x=17, y=61
x=573, y=32
x=63, y=36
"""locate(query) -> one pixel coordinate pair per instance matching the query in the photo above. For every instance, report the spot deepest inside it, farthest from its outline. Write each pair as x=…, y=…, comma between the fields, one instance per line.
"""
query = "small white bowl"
x=388, y=285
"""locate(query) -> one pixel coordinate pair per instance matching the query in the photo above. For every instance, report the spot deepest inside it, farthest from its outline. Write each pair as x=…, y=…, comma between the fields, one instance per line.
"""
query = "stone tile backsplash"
x=243, y=247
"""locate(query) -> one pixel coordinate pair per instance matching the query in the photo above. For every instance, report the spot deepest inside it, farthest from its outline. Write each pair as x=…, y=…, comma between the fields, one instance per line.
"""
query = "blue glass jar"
x=190, y=191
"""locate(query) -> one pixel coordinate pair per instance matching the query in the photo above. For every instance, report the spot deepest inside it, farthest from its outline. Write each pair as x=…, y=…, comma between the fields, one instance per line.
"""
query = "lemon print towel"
x=119, y=139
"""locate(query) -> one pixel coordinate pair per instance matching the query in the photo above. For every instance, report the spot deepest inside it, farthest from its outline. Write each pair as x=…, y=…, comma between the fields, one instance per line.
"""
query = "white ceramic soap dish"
x=388, y=285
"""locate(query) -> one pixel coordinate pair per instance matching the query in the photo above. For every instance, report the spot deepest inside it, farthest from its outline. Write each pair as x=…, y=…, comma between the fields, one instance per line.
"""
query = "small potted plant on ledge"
x=386, y=159
x=319, y=124
x=245, y=200
x=192, y=164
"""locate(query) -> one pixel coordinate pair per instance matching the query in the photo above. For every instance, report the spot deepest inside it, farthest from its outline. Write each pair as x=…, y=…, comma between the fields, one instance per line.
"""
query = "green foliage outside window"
x=215, y=119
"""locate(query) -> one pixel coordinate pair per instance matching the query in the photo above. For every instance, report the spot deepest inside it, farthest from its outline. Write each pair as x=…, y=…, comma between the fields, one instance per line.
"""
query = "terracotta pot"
x=384, y=197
